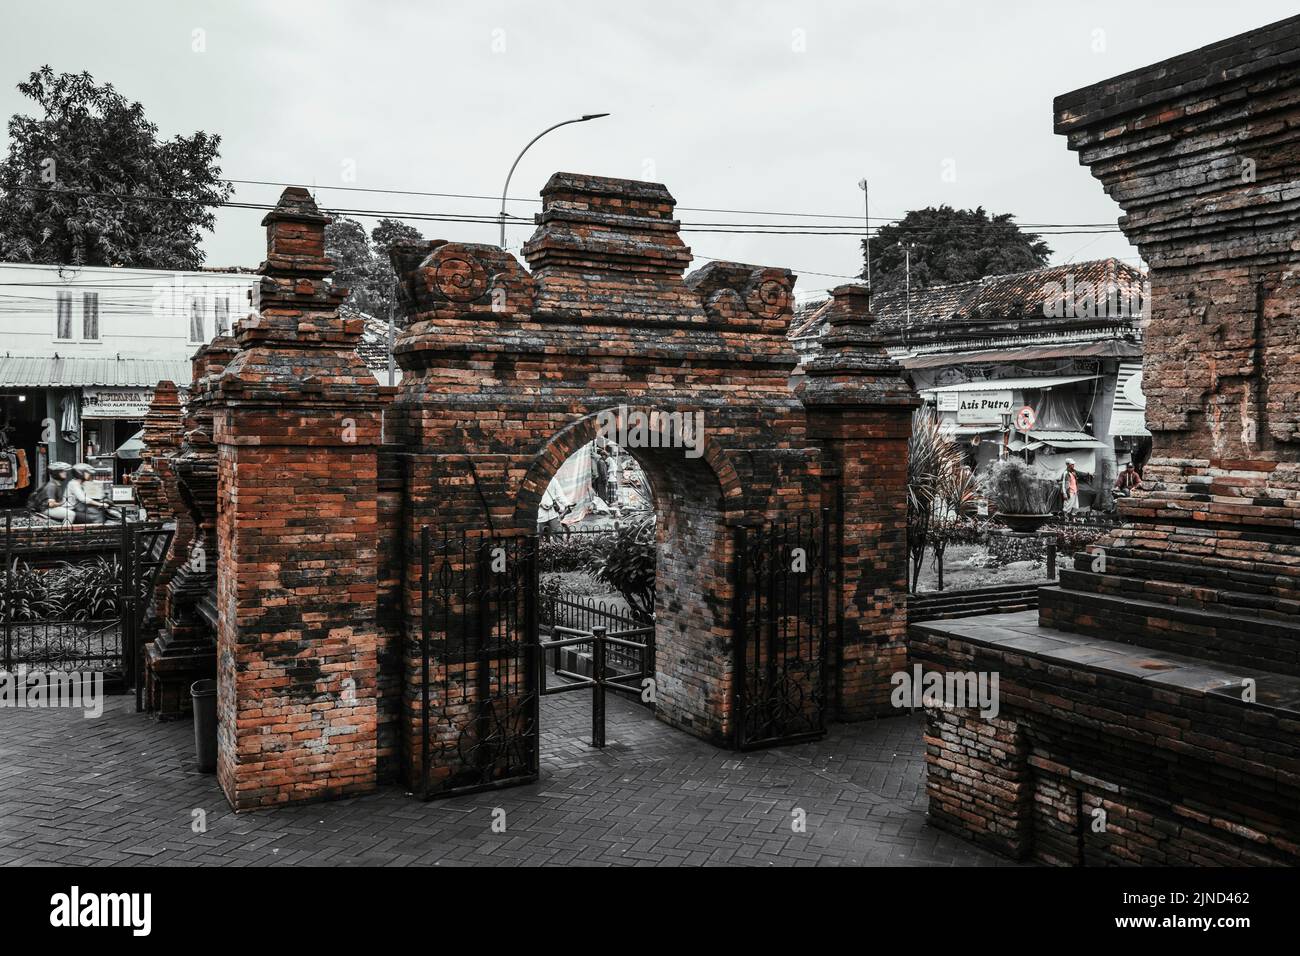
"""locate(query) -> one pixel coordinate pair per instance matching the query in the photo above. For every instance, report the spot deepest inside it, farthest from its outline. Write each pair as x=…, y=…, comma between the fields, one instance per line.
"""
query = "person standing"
x=1070, y=487
x=602, y=474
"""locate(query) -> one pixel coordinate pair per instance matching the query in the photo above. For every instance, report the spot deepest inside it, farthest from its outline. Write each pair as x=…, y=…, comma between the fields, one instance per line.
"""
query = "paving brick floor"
x=121, y=790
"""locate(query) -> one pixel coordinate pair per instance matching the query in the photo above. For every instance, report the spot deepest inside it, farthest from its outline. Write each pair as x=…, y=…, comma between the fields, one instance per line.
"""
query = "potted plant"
x=1019, y=497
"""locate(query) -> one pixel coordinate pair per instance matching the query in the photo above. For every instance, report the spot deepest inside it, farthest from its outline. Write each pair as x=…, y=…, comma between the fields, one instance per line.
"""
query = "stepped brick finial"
x=605, y=245
x=299, y=306
x=853, y=366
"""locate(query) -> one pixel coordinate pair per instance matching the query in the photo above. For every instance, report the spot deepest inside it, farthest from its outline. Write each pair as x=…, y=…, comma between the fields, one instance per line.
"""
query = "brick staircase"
x=1228, y=612
x=997, y=599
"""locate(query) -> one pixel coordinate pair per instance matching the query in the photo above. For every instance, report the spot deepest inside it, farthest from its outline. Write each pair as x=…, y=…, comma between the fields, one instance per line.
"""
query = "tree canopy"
x=74, y=182
x=361, y=262
x=951, y=245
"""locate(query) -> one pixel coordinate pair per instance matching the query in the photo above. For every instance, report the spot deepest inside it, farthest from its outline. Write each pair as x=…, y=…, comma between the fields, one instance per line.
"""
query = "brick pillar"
x=185, y=650
x=859, y=408
x=297, y=424
x=979, y=781
x=162, y=438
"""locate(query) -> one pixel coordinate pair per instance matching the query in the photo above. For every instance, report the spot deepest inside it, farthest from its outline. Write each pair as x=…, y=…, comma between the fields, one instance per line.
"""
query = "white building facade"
x=81, y=349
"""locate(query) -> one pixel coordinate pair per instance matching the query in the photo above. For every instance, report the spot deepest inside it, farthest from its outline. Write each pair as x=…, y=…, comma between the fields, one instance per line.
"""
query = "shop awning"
x=27, y=371
x=1110, y=348
x=1011, y=384
x=1067, y=439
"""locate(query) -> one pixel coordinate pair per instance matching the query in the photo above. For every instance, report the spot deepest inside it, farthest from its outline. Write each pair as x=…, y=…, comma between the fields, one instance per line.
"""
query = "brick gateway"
x=327, y=482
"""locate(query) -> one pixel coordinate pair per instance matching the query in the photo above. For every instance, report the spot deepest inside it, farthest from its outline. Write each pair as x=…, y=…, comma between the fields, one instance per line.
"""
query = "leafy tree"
x=951, y=245
x=348, y=245
x=67, y=182
x=361, y=262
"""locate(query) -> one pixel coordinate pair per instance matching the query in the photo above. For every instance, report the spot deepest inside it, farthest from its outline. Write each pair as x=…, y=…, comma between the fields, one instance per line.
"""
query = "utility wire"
x=484, y=218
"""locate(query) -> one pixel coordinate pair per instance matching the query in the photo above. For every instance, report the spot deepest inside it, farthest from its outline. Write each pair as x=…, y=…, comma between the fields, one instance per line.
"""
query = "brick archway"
x=697, y=500
x=505, y=370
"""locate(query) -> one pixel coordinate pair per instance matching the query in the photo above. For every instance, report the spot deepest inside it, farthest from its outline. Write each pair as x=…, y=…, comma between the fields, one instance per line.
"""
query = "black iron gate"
x=73, y=598
x=479, y=663
x=782, y=630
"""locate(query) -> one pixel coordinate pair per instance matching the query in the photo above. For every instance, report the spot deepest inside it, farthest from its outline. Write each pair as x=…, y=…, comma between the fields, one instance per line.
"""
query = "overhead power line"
x=805, y=229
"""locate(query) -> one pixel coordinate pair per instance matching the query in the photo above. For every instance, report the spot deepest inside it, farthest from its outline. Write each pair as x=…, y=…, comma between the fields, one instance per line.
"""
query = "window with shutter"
x=196, y=320
x=90, y=316
x=63, y=315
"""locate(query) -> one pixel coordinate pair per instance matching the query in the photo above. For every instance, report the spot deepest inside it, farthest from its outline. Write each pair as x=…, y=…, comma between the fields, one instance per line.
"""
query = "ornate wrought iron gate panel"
x=479, y=660
x=782, y=630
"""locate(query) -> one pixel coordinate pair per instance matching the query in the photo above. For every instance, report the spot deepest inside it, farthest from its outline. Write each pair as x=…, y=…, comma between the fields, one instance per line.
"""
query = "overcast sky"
x=768, y=106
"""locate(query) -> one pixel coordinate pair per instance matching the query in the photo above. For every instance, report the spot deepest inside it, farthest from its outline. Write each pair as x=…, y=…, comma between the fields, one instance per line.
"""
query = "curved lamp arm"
x=506, y=189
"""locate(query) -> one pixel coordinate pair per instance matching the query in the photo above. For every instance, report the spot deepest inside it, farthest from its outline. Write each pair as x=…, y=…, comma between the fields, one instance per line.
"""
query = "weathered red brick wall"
x=297, y=422
x=162, y=439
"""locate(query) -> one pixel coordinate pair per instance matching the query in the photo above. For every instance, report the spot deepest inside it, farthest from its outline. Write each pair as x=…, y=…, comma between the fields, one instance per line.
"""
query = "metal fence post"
x=8, y=593
x=598, y=687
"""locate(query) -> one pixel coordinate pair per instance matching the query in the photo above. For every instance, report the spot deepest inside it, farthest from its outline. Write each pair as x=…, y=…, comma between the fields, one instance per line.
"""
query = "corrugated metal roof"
x=1003, y=384
x=1067, y=439
x=1111, y=348
x=30, y=371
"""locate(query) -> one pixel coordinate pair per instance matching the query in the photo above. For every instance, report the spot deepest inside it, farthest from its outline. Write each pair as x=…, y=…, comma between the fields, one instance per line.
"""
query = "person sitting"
x=1129, y=480
x=86, y=509
x=50, y=499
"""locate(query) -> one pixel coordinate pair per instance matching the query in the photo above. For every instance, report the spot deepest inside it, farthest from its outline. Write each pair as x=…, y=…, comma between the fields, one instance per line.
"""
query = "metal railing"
x=575, y=614
x=600, y=641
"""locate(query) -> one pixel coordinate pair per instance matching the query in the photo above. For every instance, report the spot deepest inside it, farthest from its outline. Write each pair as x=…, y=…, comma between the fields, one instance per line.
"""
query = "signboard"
x=1025, y=419
x=983, y=408
x=948, y=401
x=99, y=402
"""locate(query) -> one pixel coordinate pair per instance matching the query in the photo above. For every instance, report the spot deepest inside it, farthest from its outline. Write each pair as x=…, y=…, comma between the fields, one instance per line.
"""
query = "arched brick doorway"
x=504, y=371
x=697, y=500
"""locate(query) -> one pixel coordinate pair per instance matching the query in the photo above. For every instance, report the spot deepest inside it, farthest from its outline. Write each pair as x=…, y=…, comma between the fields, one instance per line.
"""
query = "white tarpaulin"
x=1128, y=414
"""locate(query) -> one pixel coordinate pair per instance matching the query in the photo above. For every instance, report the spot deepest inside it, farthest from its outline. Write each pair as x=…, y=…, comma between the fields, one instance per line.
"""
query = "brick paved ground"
x=120, y=791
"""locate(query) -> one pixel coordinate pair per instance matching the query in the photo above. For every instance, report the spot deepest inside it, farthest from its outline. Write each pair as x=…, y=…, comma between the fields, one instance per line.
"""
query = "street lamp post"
x=866, y=222
x=506, y=188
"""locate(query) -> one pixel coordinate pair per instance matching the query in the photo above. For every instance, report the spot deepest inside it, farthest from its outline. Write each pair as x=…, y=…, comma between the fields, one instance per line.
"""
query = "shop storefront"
x=72, y=410
x=109, y=419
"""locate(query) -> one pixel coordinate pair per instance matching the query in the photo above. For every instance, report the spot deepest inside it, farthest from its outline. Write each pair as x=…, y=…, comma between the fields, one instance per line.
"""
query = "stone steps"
x=1000, y=599
x=1223, y=635
x=1203, y=592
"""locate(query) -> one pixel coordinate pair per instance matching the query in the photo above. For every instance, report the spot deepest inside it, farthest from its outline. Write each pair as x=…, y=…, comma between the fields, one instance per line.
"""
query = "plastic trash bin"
x=203, y=693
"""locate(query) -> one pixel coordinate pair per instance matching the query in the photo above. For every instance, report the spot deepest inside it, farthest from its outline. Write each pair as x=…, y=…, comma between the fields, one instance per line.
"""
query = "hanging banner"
x=99, y=402
x=983, y=408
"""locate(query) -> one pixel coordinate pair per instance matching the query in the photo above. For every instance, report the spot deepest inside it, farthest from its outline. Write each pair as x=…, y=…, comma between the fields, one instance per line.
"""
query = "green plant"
x=939, y=485
x=628, y=564
x=1014, y=488
x=65, y=592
